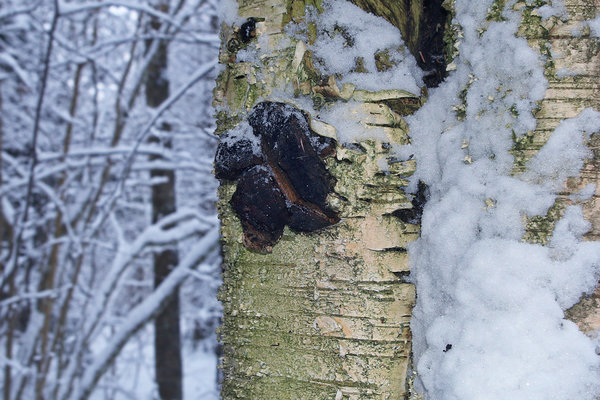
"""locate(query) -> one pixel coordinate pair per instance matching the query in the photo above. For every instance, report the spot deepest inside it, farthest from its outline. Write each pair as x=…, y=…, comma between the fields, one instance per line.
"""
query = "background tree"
x=167, y=347
x=78, y=232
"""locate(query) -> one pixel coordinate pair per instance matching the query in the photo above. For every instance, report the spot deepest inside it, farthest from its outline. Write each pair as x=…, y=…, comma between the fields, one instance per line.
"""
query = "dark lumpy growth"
x=234, y=157
x=287, y=184
x=287, y=141
x=248, y=30
x=260, y=204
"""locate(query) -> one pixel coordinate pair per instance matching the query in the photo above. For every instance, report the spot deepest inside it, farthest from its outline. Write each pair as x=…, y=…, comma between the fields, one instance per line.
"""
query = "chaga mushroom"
x=261, y=207
x=293, y=152
x=238, y=151
x=286, y=182
x=308, y=218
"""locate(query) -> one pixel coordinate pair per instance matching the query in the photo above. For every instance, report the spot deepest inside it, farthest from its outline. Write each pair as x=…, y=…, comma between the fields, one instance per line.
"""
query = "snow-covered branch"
x=142, y=135
x=144, y=312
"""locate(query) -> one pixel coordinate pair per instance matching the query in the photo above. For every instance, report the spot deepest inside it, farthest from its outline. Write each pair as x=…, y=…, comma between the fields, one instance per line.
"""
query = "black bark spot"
x=431, y=56
x=248, y=30
x=413, y=215
x=287, y=185
x=402, y=275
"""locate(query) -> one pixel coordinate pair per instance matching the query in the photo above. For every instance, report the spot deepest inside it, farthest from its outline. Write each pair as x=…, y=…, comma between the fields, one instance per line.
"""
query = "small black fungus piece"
x=248, y=30
x=234, y=157
x=448, y=348
x=260, y=204
x=413, y=215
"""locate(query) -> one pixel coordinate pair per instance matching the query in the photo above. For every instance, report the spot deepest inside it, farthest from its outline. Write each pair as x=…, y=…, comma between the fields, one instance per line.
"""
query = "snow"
x=565, y=73
x=557, y=9
x=347, y=34
x=143, y=312
x=228, y=12
x=132, y=376
x=243, y=131
x=563, y=154
x=594, y=25
x=351, y=129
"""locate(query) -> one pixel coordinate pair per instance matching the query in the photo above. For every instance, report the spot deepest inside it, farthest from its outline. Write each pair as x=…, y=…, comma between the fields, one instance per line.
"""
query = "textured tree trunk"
x=326, y=314
x=167, y=347
x=575, y=50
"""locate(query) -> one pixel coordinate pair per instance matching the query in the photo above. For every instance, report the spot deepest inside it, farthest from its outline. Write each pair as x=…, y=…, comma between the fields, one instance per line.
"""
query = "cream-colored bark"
x=574, y=50
x=325, y=315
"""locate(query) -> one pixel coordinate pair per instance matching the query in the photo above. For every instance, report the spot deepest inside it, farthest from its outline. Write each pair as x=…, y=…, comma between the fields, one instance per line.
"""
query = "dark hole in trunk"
x=422, y=26
x=431, y=57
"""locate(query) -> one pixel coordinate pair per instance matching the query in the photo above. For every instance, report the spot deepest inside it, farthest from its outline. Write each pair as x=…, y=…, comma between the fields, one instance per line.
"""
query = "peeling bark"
x=326, y=313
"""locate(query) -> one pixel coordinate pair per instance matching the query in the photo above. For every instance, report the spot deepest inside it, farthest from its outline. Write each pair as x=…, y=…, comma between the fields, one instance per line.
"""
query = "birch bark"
x=325, y=314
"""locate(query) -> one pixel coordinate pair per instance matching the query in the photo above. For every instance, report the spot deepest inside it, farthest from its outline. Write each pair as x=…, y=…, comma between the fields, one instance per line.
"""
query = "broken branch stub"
x=287, y=184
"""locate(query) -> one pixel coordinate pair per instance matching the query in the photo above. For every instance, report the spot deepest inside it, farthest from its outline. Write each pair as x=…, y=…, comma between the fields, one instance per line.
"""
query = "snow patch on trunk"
x=498, y=302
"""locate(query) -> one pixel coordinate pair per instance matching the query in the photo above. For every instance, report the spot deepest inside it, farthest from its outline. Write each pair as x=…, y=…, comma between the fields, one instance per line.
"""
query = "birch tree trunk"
x=574, y=50
x=326, y=314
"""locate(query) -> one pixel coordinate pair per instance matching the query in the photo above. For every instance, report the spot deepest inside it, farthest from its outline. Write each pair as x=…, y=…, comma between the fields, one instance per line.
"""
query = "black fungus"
x=295, y=155
x=233, y=157
x=307, y=218
x=294, y=181
x=248, y=30
x=260, y=204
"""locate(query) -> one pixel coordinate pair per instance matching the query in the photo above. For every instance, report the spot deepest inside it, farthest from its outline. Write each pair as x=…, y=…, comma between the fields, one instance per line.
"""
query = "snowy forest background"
x=88, y=141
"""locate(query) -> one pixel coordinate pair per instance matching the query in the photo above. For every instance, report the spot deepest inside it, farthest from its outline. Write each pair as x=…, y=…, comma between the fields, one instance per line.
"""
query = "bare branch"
x=36, y=129
x=25, y=10
x=141, y=137
x=144, y=312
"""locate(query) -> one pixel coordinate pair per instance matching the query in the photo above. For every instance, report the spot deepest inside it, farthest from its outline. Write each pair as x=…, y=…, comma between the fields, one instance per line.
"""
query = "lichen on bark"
x=325, y=314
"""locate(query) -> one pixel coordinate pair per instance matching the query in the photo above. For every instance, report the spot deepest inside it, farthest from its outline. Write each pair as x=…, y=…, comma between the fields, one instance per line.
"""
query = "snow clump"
x=348, y=34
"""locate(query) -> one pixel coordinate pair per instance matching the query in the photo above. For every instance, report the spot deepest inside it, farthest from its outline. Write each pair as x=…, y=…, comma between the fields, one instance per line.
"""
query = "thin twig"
x=36, y=128
x=141, y=137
